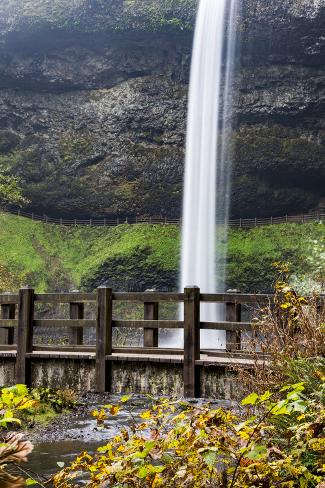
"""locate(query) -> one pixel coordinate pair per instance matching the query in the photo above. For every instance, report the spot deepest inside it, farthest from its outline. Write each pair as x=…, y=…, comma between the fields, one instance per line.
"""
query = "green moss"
x=61, y=258
x=10, y=161
x=44, y=415
x=251, y=253
x=268, y=147
x=72, y=148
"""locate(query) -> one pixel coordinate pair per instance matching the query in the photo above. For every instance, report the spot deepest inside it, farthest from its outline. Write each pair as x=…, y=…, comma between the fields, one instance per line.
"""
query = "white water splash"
x=207, y=170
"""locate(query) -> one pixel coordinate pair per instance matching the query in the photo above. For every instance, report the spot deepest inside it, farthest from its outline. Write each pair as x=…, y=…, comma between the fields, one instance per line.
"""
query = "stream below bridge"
x=72, y=433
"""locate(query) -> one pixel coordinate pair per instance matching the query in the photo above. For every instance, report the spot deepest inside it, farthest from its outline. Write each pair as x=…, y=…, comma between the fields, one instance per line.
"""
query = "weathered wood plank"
x=7, y=347
x=103, y=339
x=76, y=313
x=60, y=355
x=9, y=298
x=151, y=324
x=24, y=335
x=8, y=323
x=150, y=335
x=147, y=350
x=233, y=339
x=261, y=299
x=64, y=323
x=229, y=326
x=148, y=297
x=234, y=354
x=228, y=362
x=8, y=312
x=77, y=348
x=191, y=342
x=65, y=297
x=145, y=359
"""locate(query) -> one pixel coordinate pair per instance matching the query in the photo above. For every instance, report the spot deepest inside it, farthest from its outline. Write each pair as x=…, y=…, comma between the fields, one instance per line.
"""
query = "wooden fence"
x=18, y=322
x=109, y=222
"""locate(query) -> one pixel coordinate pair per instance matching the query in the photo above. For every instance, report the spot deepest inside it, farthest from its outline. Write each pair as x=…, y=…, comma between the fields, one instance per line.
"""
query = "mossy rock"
x=100, y=15
x=8, y=141
x=277, y=170
x=271, y=148
x=133, y=272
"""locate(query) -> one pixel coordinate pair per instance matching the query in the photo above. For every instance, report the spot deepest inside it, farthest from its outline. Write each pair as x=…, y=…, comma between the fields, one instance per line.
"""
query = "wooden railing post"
x=233, y=314
x=76, y=312
x=24, y=334
x=150, y=336
x=103, y=339
x=8, y=311
x=191, y=341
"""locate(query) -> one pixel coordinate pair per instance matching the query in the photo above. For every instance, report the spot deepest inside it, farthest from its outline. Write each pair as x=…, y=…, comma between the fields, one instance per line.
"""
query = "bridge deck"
x=206, y=359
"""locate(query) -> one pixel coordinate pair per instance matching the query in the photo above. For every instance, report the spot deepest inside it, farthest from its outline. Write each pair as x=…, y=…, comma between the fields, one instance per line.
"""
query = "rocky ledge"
x=93, y=97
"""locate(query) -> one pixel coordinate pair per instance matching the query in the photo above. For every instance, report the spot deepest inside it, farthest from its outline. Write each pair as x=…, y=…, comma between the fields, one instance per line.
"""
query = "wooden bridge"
x=28, y=360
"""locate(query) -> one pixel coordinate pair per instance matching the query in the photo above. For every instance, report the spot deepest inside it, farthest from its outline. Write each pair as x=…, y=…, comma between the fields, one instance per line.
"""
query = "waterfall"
x=207, y=169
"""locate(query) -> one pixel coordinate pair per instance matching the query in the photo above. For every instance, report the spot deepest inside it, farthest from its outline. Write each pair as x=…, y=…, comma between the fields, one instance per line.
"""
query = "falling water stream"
x=207, y=169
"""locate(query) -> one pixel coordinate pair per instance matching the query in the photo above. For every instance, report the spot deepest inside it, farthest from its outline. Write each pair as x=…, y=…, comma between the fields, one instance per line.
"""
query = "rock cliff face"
x=93, y=97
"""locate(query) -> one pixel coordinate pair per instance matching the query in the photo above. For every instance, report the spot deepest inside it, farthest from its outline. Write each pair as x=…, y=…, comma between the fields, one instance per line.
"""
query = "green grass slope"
x=144, y=256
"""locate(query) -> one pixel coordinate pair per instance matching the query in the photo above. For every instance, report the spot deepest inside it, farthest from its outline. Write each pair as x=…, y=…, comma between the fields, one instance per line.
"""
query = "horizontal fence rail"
x=17, y=320
x=109, y=222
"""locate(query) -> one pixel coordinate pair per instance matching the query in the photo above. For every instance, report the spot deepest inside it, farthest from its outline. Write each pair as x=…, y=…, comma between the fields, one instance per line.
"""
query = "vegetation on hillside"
x=10, y=191
x=147, y=256
x=10, y=185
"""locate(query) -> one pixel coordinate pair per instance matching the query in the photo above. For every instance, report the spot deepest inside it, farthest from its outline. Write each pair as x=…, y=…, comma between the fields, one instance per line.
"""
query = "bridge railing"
x=18, y=323
x=134, y=220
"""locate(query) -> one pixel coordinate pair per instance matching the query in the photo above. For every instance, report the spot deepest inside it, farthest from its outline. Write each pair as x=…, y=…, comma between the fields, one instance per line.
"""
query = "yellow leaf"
x=146, y=415
x=114, y=409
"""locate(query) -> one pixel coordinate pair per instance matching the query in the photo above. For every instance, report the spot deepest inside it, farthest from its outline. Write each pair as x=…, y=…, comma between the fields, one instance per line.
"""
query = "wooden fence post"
x=24, y=334
x=103, y=339
x=150, y=336
x=191, y=341
x=76, y=312
x=8, y=311
x=233, y=314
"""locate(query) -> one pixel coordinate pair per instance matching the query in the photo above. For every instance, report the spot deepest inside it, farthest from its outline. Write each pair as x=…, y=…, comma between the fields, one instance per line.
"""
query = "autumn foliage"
x=275, y=437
